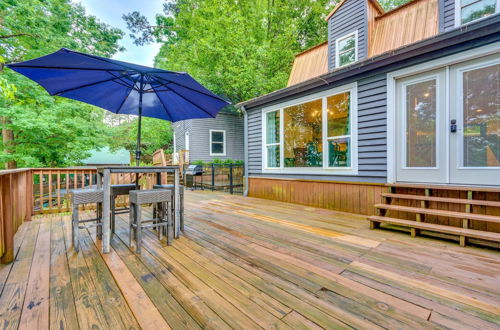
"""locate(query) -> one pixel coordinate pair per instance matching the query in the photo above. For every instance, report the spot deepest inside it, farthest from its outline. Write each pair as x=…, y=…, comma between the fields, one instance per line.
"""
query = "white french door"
x=420, y=130
x=475, y=105
x=448, y=124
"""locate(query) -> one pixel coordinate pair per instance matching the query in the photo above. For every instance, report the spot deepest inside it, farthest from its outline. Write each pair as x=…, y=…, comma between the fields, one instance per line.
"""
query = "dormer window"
x=346, y=49
x=471, y=10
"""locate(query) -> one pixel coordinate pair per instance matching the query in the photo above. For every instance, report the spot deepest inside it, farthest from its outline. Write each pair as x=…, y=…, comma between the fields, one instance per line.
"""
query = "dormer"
x=349, y=30
x=360, y=29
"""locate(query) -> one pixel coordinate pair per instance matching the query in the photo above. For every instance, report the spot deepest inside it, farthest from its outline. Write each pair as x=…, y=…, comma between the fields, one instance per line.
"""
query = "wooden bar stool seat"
x=118, y=190
x=162, y=199
x=82, y=197
x=181, y=192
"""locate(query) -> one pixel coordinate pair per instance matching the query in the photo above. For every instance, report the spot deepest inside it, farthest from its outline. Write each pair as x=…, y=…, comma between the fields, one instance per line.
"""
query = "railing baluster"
x=41, y=191
x=58, y=190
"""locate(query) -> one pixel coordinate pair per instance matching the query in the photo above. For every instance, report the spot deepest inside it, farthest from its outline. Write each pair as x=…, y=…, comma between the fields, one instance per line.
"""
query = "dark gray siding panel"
x=254, y=141
x=199, y=138
x=372, y=136
x=351, y=16
x=446, y=15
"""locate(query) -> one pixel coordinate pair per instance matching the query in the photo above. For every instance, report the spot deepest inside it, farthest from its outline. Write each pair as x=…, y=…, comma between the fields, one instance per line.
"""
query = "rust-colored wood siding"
x=309, y=64
x=340, y=196
x=416, y=21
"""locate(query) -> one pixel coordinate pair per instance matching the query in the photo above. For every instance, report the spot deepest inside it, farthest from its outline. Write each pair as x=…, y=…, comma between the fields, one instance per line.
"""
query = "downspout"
x=245, y=148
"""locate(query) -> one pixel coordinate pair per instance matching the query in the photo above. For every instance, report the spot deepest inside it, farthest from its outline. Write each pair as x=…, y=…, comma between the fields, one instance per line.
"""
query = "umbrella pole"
x=138, y=149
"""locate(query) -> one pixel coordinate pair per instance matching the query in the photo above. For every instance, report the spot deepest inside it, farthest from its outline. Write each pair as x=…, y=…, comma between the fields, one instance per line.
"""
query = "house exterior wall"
x=351, y=16
x=199, y=136
x=446, y=15
x=371, y=119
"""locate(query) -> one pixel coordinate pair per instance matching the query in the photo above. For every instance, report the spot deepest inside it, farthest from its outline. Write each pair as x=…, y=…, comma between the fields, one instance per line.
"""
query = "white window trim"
x=223, y=142
x=458, y=13
x=325, y=170
x=442, y=62
x=337, y=55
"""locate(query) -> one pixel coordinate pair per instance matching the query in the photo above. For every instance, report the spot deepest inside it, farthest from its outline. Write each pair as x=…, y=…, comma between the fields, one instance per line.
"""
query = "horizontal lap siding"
x=348, y=18
x=447, y=17
x=199, y=137
x=372, y=137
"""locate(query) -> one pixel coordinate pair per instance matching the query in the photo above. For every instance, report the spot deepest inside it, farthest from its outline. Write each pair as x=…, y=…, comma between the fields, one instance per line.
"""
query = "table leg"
x=106, y=236
x=177, y=204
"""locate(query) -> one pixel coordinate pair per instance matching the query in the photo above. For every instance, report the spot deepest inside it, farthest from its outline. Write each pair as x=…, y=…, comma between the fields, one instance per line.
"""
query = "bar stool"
x=81, y=197
x=162, y=224
x=181, y=193
x=118, y=190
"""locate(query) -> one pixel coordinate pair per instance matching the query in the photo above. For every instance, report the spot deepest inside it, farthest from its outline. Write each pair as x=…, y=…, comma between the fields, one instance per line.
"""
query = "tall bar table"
x=104, y=181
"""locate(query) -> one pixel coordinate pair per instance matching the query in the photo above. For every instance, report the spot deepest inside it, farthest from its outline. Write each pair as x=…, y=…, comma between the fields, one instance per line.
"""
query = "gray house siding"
x=446, y=15
x=351, y=16
x=199, y=136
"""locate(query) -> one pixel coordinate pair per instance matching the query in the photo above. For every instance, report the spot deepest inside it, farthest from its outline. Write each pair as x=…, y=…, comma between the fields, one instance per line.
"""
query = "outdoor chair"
x=181, y=192
x=118, y=190
x=82, y=197
x=162, y=222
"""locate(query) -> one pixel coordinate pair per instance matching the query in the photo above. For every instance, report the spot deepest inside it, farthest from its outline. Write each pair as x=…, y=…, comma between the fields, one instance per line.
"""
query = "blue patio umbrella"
x=122, y=87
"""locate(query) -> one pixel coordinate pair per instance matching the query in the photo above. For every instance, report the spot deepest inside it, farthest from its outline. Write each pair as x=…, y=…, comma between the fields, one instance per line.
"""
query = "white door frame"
x=443, y=62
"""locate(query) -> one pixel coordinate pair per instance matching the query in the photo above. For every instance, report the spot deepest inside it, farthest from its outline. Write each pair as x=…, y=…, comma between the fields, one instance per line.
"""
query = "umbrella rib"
x=187, y=87
x=88, y=85
x=186, y=100
x=123, y=102
x=125, y=83
x=58, y=68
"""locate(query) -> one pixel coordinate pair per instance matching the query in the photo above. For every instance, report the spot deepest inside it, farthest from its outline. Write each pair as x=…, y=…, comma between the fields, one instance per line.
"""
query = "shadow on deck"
x=248, y=263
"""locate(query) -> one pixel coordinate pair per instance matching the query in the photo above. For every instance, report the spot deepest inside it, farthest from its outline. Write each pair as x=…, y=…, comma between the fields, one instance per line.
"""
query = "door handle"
x=453, y=126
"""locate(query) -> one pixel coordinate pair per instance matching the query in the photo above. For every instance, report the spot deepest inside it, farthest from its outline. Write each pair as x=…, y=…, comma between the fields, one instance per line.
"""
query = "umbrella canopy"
x=122, y=87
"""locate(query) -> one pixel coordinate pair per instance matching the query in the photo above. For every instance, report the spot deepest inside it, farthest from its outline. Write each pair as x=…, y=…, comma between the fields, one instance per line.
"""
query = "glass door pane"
x=421, y=124
x=481, y=117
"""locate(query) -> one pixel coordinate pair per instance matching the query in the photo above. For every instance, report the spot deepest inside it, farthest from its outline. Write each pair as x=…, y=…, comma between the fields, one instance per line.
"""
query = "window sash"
x=223, y=143
x=339, y=53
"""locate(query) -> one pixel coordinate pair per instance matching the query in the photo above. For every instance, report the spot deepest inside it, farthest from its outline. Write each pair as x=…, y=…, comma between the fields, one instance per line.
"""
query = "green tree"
x=39, y=130
x=238, y=49
x=155, y=134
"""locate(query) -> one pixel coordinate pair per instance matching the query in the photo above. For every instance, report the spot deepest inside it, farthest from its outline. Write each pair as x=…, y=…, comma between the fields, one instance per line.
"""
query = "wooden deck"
x=249, y=263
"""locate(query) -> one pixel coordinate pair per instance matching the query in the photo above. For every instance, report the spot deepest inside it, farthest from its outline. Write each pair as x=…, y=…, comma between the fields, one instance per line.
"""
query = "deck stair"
x=466, y=212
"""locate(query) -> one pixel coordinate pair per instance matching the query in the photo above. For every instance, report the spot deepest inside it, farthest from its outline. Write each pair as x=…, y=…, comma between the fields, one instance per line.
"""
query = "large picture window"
x=313, y=135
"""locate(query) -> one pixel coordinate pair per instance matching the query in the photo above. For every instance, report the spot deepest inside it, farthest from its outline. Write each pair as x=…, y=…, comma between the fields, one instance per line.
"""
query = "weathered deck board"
x=248, y=263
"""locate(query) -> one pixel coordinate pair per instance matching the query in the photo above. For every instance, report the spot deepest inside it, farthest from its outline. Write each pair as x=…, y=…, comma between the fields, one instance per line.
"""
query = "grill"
x=190, y=175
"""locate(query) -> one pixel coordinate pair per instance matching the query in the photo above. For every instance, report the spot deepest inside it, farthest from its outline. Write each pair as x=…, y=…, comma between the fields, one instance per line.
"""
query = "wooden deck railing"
x=27, y=192
x=16, y=206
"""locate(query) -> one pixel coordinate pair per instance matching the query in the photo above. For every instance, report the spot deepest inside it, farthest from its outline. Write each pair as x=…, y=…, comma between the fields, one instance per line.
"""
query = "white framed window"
x=217, y=142
x=316, y=134
x=467, y=11
x=346, y=49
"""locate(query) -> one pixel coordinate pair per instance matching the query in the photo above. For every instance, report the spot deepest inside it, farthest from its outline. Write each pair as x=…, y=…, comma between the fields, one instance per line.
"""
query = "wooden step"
x=445, y=187
x=443, y=199
x=489, y=236
x=444, y=213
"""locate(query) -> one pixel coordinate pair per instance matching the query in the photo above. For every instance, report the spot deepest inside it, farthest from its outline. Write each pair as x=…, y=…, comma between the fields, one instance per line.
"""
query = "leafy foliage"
x=155, y=134
x=238, y=49
x=48, y=131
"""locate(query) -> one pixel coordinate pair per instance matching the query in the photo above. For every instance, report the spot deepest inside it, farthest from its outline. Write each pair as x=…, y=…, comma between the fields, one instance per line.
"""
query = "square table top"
x=138, y=169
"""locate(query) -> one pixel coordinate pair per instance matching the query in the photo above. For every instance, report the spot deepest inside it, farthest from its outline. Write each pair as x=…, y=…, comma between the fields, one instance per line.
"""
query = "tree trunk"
x=8, y=141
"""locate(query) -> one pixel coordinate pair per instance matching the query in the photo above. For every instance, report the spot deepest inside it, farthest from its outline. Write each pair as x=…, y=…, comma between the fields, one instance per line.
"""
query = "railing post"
x=7, y=217
x=231, y=178
x=213, y=176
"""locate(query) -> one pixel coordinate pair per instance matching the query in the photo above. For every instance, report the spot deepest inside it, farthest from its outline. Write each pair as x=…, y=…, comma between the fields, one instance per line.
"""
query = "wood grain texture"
x=339, y=196
x=254, y=263
x=309, y=64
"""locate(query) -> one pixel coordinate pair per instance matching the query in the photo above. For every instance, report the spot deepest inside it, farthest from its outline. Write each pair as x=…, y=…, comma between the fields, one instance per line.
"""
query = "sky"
x=111, y=11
